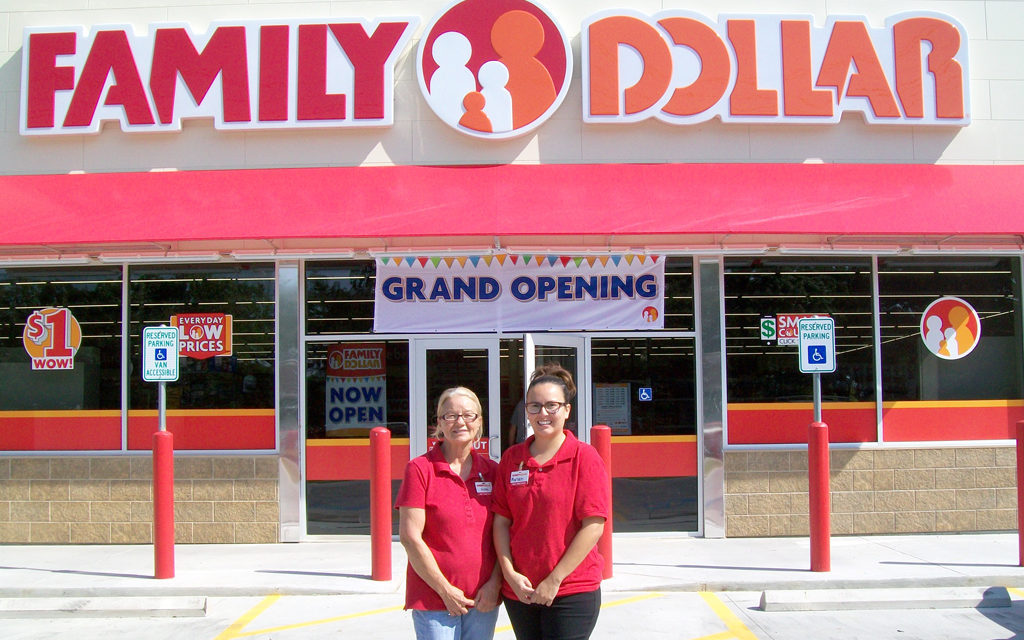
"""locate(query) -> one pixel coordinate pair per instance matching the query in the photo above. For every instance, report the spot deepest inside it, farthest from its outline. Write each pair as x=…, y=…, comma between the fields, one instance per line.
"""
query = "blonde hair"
x=450, y=393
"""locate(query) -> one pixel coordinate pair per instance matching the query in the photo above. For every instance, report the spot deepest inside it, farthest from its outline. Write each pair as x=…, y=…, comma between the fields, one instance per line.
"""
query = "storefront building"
x=347, y=207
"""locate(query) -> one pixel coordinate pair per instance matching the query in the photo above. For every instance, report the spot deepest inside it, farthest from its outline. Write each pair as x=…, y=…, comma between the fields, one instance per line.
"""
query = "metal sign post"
x=817, y=347
x=160, y=365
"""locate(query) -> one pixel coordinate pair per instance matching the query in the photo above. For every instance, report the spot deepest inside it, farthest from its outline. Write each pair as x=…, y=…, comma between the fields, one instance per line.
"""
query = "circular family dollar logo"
x=494, y=68
x=950, y=328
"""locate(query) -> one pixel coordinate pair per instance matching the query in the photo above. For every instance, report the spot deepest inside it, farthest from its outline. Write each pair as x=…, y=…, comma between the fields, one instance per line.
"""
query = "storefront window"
x=763, y=369
x=339, y=297
x=224, y=397
x=679, y=294
x=351, y=387
x=954, y=380
x=909, y=370
x=60, y=359
x=645, y=391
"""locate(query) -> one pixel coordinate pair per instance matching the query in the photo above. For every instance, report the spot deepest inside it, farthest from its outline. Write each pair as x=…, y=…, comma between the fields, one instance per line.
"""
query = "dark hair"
x=554, y=373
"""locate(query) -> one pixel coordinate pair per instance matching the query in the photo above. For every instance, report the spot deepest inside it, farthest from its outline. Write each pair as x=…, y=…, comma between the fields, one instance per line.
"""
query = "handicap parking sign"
x=816, y=353
x=817, y=345
x=160, y=354
x=645, y=394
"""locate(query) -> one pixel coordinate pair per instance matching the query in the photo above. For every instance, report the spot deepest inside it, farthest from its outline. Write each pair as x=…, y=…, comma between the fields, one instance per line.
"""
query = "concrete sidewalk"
x=641, y=563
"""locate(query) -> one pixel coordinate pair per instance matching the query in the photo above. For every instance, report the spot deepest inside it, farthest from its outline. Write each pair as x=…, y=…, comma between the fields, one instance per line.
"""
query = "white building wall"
x=996, y=134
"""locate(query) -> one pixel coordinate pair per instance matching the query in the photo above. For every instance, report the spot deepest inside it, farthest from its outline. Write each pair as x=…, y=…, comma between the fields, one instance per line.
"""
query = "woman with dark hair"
x=452, y=583
x=550, y=504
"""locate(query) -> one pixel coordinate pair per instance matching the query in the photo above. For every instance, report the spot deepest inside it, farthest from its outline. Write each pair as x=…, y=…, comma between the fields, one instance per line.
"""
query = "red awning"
x=364, y=202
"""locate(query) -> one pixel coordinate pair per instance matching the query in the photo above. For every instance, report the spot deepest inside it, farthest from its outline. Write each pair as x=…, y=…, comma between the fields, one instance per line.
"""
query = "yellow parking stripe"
x=736, y=628
x=247, y=617
x=1015, y=591
x=312, y=623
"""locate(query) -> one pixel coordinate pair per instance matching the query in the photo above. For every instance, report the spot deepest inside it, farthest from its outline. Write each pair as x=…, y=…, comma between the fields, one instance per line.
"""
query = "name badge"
x=483, y=488
x=519, y=477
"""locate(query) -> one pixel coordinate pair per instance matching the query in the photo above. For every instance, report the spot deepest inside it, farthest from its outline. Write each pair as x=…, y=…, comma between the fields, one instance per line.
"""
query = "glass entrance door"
x=568, y=351
x=442, y=363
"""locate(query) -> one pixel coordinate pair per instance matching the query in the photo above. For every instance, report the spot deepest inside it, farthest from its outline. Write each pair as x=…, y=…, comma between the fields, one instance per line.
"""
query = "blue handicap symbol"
x=161, y=355
x=816, y=354
x=646, y=394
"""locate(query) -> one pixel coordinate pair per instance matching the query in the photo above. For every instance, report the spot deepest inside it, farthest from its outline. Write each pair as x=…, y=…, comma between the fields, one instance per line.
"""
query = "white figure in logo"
x=952, y=348
x=493, y=78
x=452, y=80
x=933, y=337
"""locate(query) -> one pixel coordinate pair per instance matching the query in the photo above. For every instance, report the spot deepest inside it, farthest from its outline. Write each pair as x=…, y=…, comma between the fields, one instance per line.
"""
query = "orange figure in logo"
x=517, y=37
x=958, y=317
x=475, y=118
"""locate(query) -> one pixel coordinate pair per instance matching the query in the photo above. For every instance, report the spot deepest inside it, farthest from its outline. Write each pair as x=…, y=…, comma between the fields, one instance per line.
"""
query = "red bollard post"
x=380, y=503
x=818, y=494
x=1020, y=492
x=163, y=504
x=601, y=438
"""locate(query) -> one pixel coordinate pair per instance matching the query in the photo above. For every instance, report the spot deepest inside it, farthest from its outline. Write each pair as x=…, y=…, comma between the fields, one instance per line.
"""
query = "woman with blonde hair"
x=452, y=581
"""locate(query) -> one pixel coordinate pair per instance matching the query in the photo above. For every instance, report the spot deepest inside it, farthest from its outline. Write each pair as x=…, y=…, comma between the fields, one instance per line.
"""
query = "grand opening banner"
x=508, y=292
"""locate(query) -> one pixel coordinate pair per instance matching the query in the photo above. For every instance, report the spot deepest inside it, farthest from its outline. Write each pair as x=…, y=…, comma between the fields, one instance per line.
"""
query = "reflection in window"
x=765, y=287
x=93, y=298
x=909, y=370
x=245, y=378
x=645, y=386
x=339, y=297
x=679, y=294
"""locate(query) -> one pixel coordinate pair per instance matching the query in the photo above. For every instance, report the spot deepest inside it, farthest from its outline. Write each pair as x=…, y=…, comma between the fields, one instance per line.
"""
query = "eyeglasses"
x=550, y=407
x=452, y=418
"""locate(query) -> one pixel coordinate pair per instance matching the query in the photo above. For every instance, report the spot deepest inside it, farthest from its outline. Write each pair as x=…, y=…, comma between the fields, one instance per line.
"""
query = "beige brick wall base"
x=874, y=491
x=109, y=499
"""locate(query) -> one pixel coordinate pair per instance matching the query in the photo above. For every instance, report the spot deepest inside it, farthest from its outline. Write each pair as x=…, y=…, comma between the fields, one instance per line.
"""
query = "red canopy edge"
x=397, y=201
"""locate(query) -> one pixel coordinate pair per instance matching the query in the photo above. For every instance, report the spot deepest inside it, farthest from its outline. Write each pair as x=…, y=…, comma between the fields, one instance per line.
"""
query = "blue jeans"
x=438, y=625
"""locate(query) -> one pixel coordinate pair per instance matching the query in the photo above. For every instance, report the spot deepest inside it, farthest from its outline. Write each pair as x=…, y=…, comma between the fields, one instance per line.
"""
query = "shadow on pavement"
x=951, y=564
x=708, y=566
x=1012, y=618
x=363, y=576
x=84, y=573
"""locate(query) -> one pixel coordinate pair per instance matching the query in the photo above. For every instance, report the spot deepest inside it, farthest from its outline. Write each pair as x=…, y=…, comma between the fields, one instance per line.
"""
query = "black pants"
x=568, y=618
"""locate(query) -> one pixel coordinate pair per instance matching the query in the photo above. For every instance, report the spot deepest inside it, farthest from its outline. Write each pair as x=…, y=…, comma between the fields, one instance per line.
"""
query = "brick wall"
x=108, y=500
x=874, y=491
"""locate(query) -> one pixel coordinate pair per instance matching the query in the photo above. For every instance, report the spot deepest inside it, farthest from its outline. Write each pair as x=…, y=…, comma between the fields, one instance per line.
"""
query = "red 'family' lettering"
x=344, y=78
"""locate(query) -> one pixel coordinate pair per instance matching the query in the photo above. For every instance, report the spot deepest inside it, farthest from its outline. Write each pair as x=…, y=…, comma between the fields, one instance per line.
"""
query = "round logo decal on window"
x=494, y=68
x=51, y=338
x=950, y=328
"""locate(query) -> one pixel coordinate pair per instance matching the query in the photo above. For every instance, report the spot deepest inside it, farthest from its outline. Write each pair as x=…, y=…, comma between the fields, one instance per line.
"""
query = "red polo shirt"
x=457, y=527
x=547, y=509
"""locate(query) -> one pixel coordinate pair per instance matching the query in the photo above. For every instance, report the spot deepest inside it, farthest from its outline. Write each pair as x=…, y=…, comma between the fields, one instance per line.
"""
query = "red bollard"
x=1020, y=492
x=163, y=504
x=818, y=494
x=380, y=503
x=601, y=438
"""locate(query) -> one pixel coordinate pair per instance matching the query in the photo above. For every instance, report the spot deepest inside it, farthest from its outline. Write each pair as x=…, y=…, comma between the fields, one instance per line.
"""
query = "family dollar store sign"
x=357, y=398
x=203, y=335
